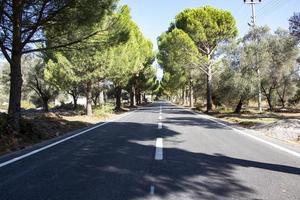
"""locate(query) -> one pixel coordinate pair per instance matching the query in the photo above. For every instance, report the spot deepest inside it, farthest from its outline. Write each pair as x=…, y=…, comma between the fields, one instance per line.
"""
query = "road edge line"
x=294, y=153
x=62, y=140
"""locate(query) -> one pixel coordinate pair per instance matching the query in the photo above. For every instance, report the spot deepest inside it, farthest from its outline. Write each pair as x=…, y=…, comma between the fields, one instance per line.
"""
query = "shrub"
x=104, y=110
x=27, y=105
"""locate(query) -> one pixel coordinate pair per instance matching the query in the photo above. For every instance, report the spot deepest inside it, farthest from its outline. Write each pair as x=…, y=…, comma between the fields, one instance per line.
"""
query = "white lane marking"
x=60, y=141
x=159, y=149
x=249, y=135
x=152, y=188
x=259, y=139
x=159, y=125
x=160, y=117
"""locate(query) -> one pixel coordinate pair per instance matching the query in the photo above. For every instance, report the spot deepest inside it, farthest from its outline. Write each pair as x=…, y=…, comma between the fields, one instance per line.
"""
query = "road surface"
x=157, y=152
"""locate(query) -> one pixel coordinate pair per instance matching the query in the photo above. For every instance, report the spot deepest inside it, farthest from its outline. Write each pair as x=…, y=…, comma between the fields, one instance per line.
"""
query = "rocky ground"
x=280, y=125
x=285, y=129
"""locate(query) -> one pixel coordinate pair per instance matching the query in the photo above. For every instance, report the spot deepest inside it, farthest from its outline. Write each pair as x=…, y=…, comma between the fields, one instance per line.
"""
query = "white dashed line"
x=159, y=149
x=159, y=125
x=152, y=188
x=160, y=117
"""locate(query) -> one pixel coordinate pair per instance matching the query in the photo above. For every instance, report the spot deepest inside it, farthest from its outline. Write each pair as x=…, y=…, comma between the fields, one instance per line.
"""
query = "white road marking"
x=259, y=139
x=160, y=117
x=249, y=135
x=159, y=149
x=60, y=141
x=159, y=125
x=152, y=188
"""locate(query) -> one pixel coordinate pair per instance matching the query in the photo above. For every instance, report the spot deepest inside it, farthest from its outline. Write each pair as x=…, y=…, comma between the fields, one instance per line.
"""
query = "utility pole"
x=253, y=25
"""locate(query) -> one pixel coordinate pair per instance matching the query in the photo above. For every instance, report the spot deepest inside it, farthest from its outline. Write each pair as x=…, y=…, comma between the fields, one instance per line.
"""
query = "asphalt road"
x=185, y=157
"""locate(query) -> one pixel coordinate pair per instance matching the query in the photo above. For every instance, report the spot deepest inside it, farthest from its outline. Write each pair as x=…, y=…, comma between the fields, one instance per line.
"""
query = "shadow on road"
x=116, y=162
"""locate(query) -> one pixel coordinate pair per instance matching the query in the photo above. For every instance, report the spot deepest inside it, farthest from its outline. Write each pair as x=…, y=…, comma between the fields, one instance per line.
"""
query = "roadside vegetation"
x=68, y=64
x=59, y=78
x=252, y=81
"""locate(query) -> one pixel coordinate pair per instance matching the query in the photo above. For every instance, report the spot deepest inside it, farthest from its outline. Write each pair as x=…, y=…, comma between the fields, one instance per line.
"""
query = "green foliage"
x=177, y=56
x=129, y=58
x=36, y=81
x=60, y=73
x=238, y=80
x=104, y=110
x=275, y=55
x=187, y=49
x=25, y=104
x=207, y=26
x=280, y=76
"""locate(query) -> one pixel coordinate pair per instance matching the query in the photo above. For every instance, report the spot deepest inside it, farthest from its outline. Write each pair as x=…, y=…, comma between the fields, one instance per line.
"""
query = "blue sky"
x=154, y=16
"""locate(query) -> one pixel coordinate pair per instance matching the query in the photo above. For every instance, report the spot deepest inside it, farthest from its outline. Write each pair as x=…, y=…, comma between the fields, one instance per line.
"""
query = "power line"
x=266, y=4
x=273, y=7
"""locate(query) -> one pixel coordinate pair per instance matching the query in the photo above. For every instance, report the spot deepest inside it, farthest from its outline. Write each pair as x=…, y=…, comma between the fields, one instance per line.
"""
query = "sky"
x=154, y=16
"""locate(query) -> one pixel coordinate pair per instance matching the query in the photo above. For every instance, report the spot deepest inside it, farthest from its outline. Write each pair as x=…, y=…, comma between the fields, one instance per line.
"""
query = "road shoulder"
x=253, y=134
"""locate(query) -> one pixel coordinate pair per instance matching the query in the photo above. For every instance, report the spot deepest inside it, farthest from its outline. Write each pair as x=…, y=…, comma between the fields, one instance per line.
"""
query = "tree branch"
x=35, y=28
x=62, y=45
x=4, y=51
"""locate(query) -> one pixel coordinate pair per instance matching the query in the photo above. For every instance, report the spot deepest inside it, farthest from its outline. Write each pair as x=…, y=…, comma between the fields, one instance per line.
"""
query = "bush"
x=103, y=110
x=27, y=105
x=69, y=106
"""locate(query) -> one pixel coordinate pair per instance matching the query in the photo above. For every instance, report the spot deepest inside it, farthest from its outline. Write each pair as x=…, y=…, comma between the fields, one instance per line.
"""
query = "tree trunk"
x=45, y=104
x=259, y=90
x=74, y=102
x=14, y=109
x=269, y=98
x=282, y=98
x=95, y=100
x=118, y=93
x=101, y=98
x=184, y=96
x=209, y=91
x=270, y=102
x=74, y=93
x=132, y=97
x=138, y=97
x=191, y=96
x=239, y=106
x=89, y=100
x=282, y=101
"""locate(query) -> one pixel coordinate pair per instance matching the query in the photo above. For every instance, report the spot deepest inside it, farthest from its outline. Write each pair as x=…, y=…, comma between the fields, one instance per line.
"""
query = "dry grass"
x=37, y=127
x=252, y=117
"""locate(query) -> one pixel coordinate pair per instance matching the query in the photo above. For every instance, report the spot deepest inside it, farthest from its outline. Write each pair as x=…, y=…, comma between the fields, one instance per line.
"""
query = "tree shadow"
x=256, y=116
x=191, y=121
x=116, y=162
